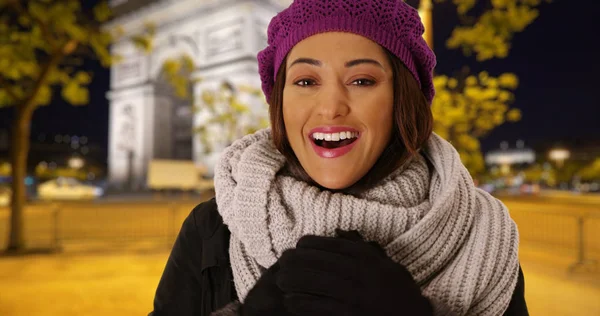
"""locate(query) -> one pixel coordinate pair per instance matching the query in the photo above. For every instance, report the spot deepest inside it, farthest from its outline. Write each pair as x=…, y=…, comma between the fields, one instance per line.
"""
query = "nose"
x=333, y=101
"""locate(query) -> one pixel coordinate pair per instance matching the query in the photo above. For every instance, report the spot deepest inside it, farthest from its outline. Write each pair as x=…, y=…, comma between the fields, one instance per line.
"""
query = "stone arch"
x=175, y=120
x=173, y=47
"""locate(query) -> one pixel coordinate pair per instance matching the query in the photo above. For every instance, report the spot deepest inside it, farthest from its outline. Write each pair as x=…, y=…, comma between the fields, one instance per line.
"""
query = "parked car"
x=190, y=176
x=530, y=188
x=68, y=189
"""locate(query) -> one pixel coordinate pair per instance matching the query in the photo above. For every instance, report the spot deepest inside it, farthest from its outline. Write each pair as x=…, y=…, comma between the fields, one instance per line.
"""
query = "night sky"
x=555, y=59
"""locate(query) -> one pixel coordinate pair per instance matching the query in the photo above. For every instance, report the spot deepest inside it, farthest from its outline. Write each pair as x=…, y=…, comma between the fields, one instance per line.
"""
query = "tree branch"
x=29, y=104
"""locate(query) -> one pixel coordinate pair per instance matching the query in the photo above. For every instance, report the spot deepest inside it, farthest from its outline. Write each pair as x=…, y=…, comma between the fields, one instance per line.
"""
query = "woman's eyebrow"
x=304, y=60
x=348, y=64
x=356, y=62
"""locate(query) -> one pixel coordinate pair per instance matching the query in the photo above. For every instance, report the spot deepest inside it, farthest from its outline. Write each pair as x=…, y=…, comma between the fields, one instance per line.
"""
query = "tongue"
x=332, y=144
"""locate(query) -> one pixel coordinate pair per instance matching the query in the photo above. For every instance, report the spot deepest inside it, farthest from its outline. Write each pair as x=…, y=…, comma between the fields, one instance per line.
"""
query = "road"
x=115, y=252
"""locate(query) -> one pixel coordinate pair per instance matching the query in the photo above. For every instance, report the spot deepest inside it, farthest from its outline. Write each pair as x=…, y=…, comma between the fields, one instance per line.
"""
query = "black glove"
x=347, y=276
x=265, y=298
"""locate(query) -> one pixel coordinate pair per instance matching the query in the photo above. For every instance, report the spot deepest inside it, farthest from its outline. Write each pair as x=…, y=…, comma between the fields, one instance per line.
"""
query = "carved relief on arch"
x=173, y=46
x=224, y=37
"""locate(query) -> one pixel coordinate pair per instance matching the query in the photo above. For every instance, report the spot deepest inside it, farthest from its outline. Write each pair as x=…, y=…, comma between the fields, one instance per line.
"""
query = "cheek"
x=294, y=116
x=380, y=116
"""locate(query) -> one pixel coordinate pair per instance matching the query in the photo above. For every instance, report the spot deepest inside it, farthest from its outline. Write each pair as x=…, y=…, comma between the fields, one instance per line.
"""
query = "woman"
x=348, y=204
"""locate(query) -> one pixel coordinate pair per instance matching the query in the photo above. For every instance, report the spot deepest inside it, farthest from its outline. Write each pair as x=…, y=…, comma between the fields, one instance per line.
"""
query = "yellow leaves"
x=463, y=6
x=478, y=39
x=484, y=123
x=513, y=115
x=58, y=77
x=45, y=30
x=473, y=160
x=238, y=106
x=483, y=76
x=100, y=42
x=24, y=20
x=505, y=96
x=500, y=3
x=75, y=94
x=5, y=99
x=508, y=81
x=177, y=72
x=481, y=93
x=250, y=90
x=181, y=88
x=15, y=69
x=69, y=47
x=468, y=142
x=208, y=98
x=471, y=81
x=118, y=31
x=490, y=34
x=537, y=173
x=102, y=12
x=83, y=78
x=145, y=40
x=492, y=83
x=440, y=81
x=187, y=63
x=591, y=171
x=232, y=110
x=37, y=10
x=150, y=28
x=264, y=122
x=473, y=92
x=75, y=91
x=44, y=96
x=5, y=168
x=452, y=83
x=171, y=67
x=465, y=111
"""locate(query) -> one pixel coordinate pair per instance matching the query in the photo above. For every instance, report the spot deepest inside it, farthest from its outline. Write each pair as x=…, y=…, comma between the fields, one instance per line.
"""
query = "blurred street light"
x=76, y=162
x=559, y=155
x=425, y=12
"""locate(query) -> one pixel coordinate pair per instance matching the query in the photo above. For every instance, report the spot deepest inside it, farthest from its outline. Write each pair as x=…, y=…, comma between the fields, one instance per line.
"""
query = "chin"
x=334, y=183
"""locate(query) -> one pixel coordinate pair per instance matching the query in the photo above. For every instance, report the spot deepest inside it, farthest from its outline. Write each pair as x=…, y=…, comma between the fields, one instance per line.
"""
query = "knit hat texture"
x=392, y=24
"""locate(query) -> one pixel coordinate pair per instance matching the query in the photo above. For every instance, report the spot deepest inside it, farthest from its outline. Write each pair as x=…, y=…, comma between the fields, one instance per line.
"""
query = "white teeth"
x=334, y=136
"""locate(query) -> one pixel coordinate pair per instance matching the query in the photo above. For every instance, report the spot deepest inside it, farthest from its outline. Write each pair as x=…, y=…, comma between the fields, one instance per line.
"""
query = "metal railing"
x=157, y=223
x=578, y=233
x=100, y=225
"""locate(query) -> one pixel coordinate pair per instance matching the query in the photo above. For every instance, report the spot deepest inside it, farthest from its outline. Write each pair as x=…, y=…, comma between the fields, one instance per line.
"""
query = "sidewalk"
x=123, y=283
x=551, y=290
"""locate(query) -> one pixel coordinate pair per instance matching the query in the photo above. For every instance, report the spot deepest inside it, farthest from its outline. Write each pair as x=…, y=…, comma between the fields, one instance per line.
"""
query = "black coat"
x=197, y=279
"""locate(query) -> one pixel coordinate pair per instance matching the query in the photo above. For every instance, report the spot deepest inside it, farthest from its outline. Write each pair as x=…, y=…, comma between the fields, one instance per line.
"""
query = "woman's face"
x=338, y=106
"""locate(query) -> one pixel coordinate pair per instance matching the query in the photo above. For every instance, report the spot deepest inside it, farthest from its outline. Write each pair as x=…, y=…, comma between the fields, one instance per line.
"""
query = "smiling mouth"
x=334, y=140
x=334, y=144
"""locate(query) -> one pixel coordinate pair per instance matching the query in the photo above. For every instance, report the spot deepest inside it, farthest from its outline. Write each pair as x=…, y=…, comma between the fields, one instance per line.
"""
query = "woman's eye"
x=363, y=82
x=305, y=82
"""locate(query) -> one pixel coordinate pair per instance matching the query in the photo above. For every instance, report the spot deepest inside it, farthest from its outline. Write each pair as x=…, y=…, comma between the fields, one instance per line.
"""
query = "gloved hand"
x=265, y=298
x=347, y=276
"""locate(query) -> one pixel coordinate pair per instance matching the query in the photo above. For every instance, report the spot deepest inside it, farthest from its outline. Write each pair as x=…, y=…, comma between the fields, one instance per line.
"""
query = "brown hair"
x=413, y=124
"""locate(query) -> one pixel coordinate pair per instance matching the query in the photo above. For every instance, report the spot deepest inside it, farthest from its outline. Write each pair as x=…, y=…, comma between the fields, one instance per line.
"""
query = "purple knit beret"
x=392, y=24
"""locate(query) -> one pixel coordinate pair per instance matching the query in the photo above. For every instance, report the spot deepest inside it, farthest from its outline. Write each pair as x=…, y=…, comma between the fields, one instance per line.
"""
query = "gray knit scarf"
x=459, y=243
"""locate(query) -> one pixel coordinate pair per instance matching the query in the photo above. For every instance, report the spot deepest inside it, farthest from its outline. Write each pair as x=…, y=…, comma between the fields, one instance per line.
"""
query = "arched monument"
x=146, y=121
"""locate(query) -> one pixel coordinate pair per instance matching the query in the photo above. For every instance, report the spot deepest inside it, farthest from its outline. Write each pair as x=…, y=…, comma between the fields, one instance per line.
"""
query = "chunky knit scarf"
x=458, y=242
